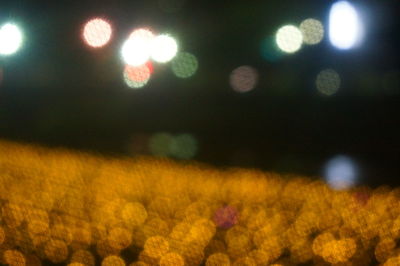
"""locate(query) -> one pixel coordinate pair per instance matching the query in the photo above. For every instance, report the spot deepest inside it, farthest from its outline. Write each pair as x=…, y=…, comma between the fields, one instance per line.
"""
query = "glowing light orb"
x=164, y=48
x=97, y=32
x=328, y=82
x=136, y=49
x=243, y=78
x=312, y=30
x=183, y=146
x=137, y=76
x=184, y=65
x=345, y=28
x=289, y=39
x=341, y=173
x=10, y=39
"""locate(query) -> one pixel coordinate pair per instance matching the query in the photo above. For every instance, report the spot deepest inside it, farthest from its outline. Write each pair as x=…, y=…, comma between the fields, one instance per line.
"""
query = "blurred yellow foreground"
x=69, y=208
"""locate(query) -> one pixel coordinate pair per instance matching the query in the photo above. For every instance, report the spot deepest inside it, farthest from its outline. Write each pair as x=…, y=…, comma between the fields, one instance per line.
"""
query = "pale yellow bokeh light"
x=312, y=30
x=289, y=39
x=328, y=82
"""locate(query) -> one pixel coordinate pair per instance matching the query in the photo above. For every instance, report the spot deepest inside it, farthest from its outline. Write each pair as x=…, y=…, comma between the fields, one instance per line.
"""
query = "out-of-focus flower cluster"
x=77, y=209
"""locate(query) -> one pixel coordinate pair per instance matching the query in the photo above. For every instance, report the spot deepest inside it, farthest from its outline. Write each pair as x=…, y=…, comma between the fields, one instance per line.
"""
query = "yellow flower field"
x=70, y=208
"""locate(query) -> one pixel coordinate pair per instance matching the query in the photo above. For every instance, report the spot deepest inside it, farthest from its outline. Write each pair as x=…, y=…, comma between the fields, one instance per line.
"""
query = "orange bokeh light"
x=97, y=32
x=137, y=76
x=138, y=73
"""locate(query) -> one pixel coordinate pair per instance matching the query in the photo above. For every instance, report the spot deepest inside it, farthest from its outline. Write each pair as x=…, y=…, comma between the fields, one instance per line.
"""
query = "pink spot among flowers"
x=226, y=217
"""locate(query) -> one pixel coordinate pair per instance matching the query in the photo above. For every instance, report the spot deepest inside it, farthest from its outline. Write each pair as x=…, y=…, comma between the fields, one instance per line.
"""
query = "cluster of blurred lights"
x=345, y=30
x=290, y=38
x=141, y=46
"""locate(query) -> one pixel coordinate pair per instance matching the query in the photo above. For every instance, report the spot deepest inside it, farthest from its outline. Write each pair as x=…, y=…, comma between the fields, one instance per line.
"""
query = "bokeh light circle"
x=312, y=30
x=345, y=27
x=10, y=39
x=328, y=82
x=243, y=78
x=289, y=39
x=164, y=48
x=160, y=144
x=184, y=146
x=97, y=32
x=136, y=49
x=137, y=76
x=184, y=65
x=341, y=172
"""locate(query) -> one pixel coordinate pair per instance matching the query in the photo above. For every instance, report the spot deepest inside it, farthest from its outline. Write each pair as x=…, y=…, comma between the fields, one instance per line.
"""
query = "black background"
x=56, y=91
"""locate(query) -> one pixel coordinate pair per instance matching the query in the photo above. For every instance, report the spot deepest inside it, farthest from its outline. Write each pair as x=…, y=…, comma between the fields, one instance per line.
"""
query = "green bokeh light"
x=160, y=143
x=184, y=146
x=184, y=65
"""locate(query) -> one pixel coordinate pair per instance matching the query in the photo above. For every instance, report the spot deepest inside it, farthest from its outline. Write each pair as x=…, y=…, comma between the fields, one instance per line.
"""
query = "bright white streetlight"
x=10, y=39
x=345, y=27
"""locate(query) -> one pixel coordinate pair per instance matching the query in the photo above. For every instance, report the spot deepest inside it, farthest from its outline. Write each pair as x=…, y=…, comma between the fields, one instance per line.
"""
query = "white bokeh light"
x=136, y=50
x=341, y=173
x=345, y=28
x=164, y=48
x=10, y=39
x=97, y=32
x=289, y=39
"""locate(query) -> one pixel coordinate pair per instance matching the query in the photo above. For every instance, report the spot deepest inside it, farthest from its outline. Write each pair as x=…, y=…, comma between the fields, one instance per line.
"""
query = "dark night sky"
x=58, y=92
